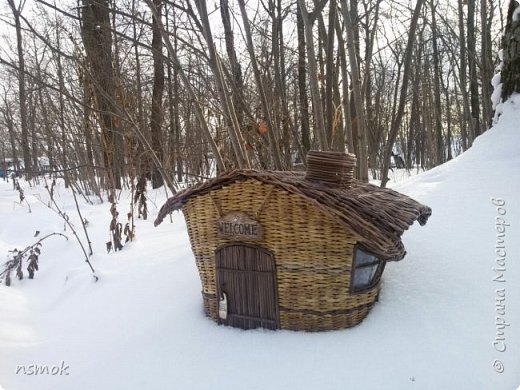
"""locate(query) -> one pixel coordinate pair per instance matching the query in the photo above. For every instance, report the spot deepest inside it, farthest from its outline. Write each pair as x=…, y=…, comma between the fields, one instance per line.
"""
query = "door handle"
x=223, y=306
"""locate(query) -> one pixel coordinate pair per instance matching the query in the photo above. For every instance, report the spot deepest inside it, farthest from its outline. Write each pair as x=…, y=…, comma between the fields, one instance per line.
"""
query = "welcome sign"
x=239, y=226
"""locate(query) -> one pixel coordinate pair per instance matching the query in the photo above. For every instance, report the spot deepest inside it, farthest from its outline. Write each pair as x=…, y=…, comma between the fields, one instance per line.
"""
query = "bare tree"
x=17, y=10
x=186, y=82
x=473, y=80
x=362, y=151
x=272, y=131
x=372, y=85
x=486, y=62
x=463, y=77
x=97, y=39
x=156, y=115
x=302, y=83
x=396, y=121
x=236, y=69
x=436, y=86
x=511, y=46
x=313, y=73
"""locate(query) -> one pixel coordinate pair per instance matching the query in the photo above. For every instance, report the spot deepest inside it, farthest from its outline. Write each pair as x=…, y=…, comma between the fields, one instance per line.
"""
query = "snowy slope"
x=141, y=326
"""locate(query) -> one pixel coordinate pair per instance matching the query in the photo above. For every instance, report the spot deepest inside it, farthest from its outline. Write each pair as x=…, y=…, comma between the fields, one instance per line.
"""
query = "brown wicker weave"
x=311, y=229
x=332, y=168
x=378, y=215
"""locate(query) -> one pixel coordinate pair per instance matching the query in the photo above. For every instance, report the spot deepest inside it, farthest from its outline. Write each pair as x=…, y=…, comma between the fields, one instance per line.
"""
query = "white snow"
x=141, y=326
x=496, y=96
x=496, y=83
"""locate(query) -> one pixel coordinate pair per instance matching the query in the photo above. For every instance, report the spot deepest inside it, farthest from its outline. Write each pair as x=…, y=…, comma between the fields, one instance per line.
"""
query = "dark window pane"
x=362, y=257
x=365, y=270
x=364, y=276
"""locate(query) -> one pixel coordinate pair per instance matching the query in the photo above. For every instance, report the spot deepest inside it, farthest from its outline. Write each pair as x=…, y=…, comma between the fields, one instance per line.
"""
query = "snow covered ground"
x=438, y=324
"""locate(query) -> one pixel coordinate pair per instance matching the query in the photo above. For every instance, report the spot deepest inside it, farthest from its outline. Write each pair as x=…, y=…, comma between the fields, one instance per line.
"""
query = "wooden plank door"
x=246, y=276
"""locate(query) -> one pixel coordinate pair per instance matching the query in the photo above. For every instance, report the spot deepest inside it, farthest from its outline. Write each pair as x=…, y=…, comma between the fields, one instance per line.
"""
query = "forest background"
x=113, y=93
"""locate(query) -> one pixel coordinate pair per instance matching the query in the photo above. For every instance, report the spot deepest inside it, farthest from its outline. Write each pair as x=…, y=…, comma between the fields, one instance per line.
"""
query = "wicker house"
x=294, y=250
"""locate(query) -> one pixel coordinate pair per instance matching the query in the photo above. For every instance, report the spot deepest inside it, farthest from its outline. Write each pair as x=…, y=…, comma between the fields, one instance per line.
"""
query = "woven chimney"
x=331, y=168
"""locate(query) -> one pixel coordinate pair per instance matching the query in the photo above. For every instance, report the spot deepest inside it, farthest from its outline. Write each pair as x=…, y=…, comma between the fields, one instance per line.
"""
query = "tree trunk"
x=367, y=88
x=142, y=162
x=437, y=89
x=45, y=114
x=12, y=135
x=313, y=78
x=156, y=114
x=90, y=155
x=486, y=64
x=302, y=83
x=362, y=150
x=414, y=116
x=173, y=109
x=26, y=151
x=191, y=93
x=511, y=46
x=473, y=81
x=120, y=151
x=31, y=123
x=61, y=83
x=97, y=39
x=281, y=112
x=463, y=78
x=347, y=114
x=329, y=77
x=449, y=103
x=236, y=69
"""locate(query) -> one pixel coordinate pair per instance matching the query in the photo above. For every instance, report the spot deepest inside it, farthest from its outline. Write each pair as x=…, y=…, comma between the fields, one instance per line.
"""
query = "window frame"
x=377, y=275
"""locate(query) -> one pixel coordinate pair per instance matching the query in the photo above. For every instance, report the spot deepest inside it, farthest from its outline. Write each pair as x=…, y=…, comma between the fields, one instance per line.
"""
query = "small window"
x=366, y=271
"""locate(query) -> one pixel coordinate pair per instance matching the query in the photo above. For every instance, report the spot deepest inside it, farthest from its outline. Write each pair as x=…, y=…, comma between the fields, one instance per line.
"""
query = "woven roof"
x=378, y=215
